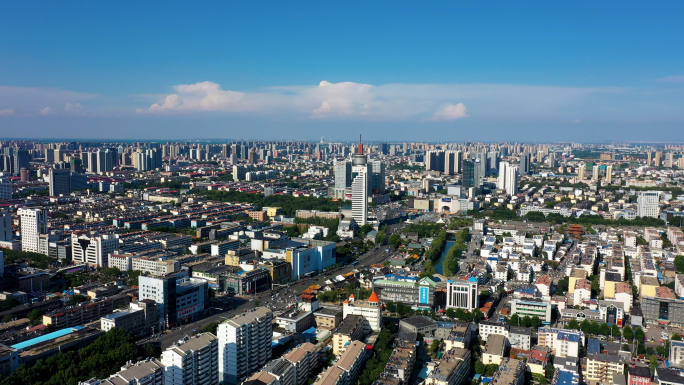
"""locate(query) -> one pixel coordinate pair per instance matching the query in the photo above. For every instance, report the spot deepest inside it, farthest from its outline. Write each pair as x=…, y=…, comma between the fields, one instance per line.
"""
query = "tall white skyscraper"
x=244, y=344
x=648, y=204
x=33, y=223
x=360, y=190
x=508, y=178
x=581, y=169
x=193, y=360
x=609, y=173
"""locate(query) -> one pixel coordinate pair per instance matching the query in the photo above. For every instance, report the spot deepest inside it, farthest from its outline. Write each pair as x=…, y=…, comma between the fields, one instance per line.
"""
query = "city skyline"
x=453, y=73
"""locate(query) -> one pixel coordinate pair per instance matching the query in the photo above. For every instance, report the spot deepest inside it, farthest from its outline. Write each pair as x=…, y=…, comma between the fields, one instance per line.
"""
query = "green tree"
x=572, y=324
x=450, y=312
x=562, y=286
x=679, y=263
x=628, y=333
x=676, y=337
x=395, y=240
x=77, y=298
x=639, y=334
x=479, y=367
x=549, y=371
x=434, y=347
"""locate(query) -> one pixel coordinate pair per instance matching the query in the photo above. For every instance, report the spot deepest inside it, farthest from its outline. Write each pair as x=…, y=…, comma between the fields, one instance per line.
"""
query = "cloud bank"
x=389, y=102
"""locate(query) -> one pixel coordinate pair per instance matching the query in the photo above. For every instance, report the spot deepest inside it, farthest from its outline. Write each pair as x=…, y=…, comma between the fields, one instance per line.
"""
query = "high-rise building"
x=5, y=226
x=648, y=204
x=94, y=250
x=462, y=294
x=22, y=159
x=5, y=186
x=343, y=171
x=192, y=360
x=60, y=181
x=376, y=183
x=452, y=162
x=33, y=224
x=580, y=171
x=359, y=187
x=508, y=178
x=525, y=159
x=468, y=178
x=609, y=173
x=244, y=344
x=434, y=161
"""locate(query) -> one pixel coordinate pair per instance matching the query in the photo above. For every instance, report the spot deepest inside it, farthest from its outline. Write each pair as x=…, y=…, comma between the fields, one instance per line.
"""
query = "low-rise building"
x=496, y=349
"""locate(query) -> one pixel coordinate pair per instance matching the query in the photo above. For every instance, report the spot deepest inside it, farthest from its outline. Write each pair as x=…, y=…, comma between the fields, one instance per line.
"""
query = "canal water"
x=438, y=266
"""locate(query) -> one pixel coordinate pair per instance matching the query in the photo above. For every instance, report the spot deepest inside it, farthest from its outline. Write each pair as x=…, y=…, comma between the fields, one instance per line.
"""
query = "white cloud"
x=672, y=79
x=46, y=111
x=7, y=112
x=74, y=109
x=26, y=100
x=198, y=97
x=389, y=102
x=451, y=112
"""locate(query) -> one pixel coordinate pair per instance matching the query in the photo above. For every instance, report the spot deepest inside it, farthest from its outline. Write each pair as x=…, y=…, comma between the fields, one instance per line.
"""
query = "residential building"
x=328, y=318
x=345, y=370
x=351, y=329
x=496, y=349
x=601, y=367
x=304, y=358
x=638, y=375
x=508, y=178
x=452, y=369
x=192, y=360
x=563, y=342
x=94, y=250
x=5, y=186
x=146, y=372
x=33, y=224
x=519, y=337
x=677, y=353
x=511, y=372
x=9, y=360
x=245, y=344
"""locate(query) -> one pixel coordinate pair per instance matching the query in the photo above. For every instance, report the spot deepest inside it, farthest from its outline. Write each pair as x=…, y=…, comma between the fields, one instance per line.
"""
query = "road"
x=286, y=296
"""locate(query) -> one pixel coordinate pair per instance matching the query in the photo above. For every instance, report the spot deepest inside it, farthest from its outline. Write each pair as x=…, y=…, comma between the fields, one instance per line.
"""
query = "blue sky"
x=514, y=71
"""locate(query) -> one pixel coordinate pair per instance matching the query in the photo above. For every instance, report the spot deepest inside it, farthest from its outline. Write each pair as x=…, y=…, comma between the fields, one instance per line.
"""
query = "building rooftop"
x=509, y=370
x=249, y=317
x=347, y=358
x=351, y=323
x=450, y=360
x=194, y=343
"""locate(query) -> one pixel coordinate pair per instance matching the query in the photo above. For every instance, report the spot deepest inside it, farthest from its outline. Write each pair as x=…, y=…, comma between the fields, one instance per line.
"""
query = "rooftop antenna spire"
x=360, y=145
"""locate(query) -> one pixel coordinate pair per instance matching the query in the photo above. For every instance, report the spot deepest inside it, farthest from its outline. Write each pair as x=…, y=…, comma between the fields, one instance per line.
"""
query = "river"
x=438, y=266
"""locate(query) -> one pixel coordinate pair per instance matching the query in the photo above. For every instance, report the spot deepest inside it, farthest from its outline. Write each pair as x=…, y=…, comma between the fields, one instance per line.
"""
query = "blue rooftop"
x=566, y=377
x=472, y=279
x=47, y=337
x=570, y=337
x=593, y=346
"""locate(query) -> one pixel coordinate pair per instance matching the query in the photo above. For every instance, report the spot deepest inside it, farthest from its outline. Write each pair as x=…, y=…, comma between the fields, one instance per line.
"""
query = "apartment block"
x=192, y=360
x=245, y=344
